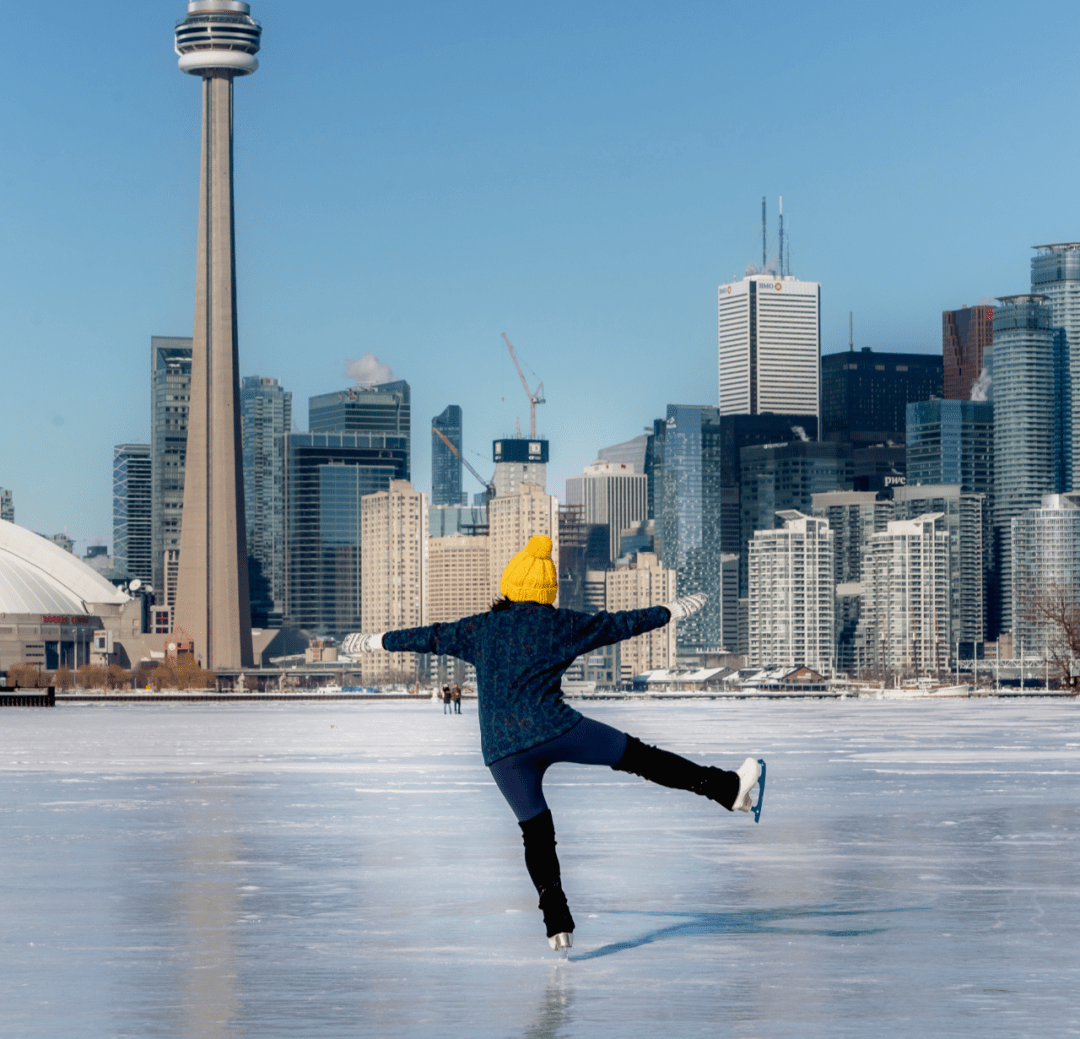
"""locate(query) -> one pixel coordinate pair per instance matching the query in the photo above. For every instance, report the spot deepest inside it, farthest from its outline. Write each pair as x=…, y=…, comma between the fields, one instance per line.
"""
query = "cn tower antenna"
x=764, y=246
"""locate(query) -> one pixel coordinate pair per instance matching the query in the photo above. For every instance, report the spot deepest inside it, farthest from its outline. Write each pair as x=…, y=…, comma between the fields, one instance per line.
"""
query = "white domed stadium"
x=51, y=604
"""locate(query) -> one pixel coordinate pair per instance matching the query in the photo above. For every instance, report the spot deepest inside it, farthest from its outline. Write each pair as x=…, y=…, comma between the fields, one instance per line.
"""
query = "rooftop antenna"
x=763, y=245
x=851, y=332
x=781, y=236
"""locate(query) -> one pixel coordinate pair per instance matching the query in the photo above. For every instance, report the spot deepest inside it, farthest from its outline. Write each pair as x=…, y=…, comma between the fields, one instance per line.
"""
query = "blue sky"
x=414, y=179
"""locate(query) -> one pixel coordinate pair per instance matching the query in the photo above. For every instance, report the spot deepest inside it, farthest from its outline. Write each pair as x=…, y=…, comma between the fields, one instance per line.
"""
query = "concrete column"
x=212, y=598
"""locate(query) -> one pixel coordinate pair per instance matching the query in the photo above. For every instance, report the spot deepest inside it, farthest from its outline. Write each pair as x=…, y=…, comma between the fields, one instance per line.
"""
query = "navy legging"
x=520, y=776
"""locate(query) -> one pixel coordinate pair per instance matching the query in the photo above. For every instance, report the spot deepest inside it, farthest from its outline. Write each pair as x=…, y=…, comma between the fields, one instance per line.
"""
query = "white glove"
x=358, y=642
x=682, y=608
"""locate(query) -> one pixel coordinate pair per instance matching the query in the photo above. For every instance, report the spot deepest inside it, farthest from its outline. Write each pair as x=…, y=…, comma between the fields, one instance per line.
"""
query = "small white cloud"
x=368, y=370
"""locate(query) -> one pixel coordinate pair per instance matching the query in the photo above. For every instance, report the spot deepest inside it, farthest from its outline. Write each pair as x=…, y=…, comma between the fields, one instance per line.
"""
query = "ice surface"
x=349, y=869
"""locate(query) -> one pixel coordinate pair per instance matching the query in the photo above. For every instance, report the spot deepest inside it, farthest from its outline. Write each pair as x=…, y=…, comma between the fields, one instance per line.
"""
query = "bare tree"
x=1053, y=608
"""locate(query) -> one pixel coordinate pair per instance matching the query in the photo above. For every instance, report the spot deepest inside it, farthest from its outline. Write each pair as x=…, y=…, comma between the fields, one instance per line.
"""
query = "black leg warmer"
x=667, y=769
x=542, y=863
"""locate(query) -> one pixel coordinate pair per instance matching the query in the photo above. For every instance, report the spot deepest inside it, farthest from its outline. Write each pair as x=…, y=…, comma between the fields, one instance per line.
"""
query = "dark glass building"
x=966, y=337
x=384, y=409
x=445, y=465
x=951, y=442
x=864, y=395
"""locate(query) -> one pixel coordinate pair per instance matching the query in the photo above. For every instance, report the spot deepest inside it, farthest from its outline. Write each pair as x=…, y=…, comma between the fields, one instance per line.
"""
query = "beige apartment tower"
x=459, y=578
x=393, y=582
x=217, y=41
x=636, y=584
x=514, y=520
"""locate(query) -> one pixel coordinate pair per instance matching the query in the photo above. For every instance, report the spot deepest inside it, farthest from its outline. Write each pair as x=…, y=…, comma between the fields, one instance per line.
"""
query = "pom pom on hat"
x=531, y=573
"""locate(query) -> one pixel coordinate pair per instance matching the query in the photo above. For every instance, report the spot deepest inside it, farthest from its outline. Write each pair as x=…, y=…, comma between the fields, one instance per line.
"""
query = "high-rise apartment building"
x=132, y=511
x=770, y=345
x=583, y=554
x=610, y=493
x=777, y=478
x=266, y=410
x=518, y=462
x=170, y=397
x=951, y=441
x=1026, y=389
x=384, y=409
x=394, y=589
x=791, y=595
x=904, y=624
x=1055, y=274
x=445, y=465
x=516, y=519
x=965, y=518
x=864, y=395
x=459, y=577
x=1046, y=567
x=326, y=476
x=7, y=505
x=966, y=337
x=636, y=583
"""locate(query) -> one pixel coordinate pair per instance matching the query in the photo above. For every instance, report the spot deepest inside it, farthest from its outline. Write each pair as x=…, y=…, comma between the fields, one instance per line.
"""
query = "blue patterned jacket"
x=520, y=655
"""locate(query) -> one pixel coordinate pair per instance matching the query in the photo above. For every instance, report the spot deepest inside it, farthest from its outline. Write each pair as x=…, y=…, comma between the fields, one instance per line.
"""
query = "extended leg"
x=538, y=835
x=667, y=769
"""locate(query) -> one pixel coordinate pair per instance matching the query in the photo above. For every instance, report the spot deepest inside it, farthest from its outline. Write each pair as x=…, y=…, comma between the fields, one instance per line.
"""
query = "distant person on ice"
x=520, y=649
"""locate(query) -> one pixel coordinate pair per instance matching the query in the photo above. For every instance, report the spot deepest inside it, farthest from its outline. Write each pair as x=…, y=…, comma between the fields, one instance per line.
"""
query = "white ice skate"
x=562, y=941
x=751, y=773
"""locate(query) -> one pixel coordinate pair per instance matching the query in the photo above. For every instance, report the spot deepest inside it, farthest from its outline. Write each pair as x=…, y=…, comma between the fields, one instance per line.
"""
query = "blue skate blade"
x=761, y=791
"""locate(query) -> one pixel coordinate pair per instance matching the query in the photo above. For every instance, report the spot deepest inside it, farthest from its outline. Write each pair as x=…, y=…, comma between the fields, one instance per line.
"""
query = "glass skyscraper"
x=1026, y=390
x=384, y=409
x=266, y=415
x=132, y=513
x=170, y=397
x=445, y=466
x=966, y=336
x=951, y=441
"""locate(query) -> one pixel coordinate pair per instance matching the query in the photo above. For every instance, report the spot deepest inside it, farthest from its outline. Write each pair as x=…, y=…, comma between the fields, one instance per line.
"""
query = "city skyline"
x=597, y=242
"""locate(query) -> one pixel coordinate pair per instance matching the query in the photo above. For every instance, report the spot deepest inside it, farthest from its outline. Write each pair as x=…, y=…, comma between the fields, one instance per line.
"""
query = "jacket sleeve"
x=602, y=629
x=456, y=640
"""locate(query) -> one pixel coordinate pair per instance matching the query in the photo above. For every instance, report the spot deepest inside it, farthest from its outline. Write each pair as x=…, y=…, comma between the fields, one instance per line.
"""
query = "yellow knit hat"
x=531, y=573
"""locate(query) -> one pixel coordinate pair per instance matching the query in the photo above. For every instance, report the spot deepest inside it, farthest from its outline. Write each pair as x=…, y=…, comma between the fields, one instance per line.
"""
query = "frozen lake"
x=315, y=870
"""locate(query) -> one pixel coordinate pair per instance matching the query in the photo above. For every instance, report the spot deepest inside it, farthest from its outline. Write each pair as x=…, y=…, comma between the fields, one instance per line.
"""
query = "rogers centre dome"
x=51, y=602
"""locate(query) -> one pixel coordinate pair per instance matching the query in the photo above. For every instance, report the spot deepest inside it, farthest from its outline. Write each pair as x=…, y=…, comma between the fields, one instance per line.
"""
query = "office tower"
x=217, y=41
x=631, y=453
x=446, y=520
x=7, y=505
x=904, y=624
x=583, y=558
x=394, y=589
x=966, y=337
x=514, y=520
x=852, y=517
x=170, y=394
x=326, y=475
x=132, y=511
x=610, y=493
x=951, y=441
x=791, y=595
x=519, y=462
x=776, y=478
x=266, y=410
x=770, y=345
x=864, y=395
x=445, y=465
x=1026, y=390
x=1046, y=569
x=384, y=409
x=966, y=519
x=1055, y=274
x=636, y=583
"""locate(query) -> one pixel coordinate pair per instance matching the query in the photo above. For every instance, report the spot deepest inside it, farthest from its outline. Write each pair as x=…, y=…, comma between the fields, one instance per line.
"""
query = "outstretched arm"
x=452, y=639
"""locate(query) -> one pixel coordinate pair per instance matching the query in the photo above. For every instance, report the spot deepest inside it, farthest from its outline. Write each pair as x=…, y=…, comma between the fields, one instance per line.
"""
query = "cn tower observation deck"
x=218, y=34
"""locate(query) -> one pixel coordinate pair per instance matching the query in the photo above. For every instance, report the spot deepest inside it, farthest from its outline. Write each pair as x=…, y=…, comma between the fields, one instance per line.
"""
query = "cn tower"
x=218, y=40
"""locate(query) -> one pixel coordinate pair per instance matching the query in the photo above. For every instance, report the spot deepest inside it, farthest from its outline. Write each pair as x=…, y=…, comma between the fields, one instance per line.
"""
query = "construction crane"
x=535, y=398
x=489, y=485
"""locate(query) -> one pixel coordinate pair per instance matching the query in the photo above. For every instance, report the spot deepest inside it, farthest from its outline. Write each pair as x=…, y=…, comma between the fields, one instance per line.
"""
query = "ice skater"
x=521, y=648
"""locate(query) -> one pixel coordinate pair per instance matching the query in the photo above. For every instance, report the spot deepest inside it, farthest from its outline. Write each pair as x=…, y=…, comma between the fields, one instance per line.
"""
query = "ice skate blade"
x=562, y=942
x=749, y=773
x=761, y=792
